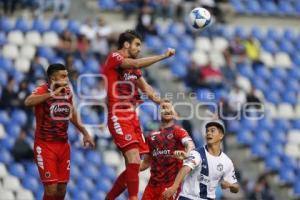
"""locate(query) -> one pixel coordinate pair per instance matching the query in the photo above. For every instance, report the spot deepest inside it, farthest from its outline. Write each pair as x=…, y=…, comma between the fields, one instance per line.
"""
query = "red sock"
x=118, y=187
x=132, y=179
x=47, y=197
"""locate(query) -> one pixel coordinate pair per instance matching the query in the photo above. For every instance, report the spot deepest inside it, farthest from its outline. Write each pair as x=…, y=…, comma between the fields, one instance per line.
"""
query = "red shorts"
x=53, y=161
x=155, y=192
x=126, y=131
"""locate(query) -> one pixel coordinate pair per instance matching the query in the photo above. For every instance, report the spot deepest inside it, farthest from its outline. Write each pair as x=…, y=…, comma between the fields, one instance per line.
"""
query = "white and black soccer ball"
x=200, y=18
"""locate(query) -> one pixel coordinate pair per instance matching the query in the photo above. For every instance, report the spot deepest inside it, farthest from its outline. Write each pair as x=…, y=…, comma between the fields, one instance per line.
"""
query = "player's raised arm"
x=87, y=139
x=148, y=90
x=147, y=61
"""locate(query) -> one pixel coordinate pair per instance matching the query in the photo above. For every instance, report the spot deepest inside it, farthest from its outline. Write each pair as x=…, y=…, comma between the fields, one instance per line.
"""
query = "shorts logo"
x=117, y=126
x=170, y=136
x=47, y=174
x=39, y=157
x=128, y=137
x=220, y=167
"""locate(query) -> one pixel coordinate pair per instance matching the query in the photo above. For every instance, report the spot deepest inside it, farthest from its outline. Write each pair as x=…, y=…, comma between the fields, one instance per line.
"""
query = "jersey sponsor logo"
x=39, y=157
x=57, y=109
x=203, y=179
x=220, y=167
x=157, y=152
x=128, y=77
x=117, y=125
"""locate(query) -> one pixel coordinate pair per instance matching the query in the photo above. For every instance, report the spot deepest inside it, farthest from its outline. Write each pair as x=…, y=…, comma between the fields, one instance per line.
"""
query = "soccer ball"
x=200, y=18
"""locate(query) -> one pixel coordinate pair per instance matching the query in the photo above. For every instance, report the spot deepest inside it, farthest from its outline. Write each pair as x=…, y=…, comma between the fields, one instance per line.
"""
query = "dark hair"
x=219, y=126
x=127, y=36
x=54, y=68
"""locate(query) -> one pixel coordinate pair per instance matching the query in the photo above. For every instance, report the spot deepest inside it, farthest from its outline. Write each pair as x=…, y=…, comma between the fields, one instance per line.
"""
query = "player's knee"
x=51, y=190
x=133, y=156
x=61, y=190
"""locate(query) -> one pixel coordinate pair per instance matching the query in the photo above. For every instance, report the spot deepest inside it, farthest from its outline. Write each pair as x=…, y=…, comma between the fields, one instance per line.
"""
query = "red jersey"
x=52, y=117
x=162, y=144
x=122, y=90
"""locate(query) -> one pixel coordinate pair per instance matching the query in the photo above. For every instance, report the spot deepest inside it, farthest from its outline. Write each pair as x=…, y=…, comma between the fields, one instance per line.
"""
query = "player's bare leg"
x=50, y=191
x=61, y=191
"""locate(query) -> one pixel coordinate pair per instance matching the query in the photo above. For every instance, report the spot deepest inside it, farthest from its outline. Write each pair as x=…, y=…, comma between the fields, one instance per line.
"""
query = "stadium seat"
x=85, y=184
x=258, y=33
x=98, y=195
x=278, y=136
x=259, y=150
x=21, y=24
x=50, y=39
x=263, y=72
x=285, y=110
x=171, y=41
x=272, y=162
x=27, y=51
x=243, y=83
x=253, y=7
x=217, y=59
x=10, y=51
x=188, y=43
x=6, y=64
x=153, y=42
x=80, y=195
x=276, y=149
x=179, y=70
x=24, y=195
x=6, y=195
x=15, y=37
x=241, y=32
x=203, y=44
x=176, y=29
x=2, y=132
x=31, y=170
x=77, y=157
x=112, y=158
x=246, y=70
x=38, y=25
x=273, y=97
x=103, y=185
x=200, y=58
x=293, y=137
x=11, y=183
x=262, y=136
x=267, y=59
x=4, y=117
x=22, y=64
x=270, y=7
x=2, y=38
x=56, y=26
x=270, y=46
x=33, y=38
x=17, y=170
x=5, y=24
x=91, y=172
x=296, y=189
x=19, y=117
x=286, y=46
x=3, y=171
x=292, y=149
x=31, y=183
x=296, y=59
x=244, y=137
x=283, y=60
x=286, y=8
x=46, y=52
x=219, y=44
x=183, y=57
x=92, y=66
x=286, y=175
x=108, y=172
x=73, y=26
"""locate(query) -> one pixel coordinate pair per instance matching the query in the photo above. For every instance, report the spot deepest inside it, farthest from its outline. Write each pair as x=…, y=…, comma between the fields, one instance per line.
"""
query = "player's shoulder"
x=115, y=55
x=226, y=158
x=179, y=128
x=41, y=88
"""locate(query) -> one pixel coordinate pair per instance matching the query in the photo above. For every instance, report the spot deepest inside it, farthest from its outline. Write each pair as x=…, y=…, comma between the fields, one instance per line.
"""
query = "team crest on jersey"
x=47, y=174
x=170, y=136
x=128, y=137
x=220, y=167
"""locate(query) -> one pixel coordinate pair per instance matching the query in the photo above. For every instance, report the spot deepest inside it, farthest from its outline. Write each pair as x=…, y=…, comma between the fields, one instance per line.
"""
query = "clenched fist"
x=170, y=52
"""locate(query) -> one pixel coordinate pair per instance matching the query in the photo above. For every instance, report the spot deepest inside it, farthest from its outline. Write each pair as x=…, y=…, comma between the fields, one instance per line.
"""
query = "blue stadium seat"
x=249, y=124
x=286, y=46
x=91, y=172
x=296, y=187
x=107, y=4
x=92, y=66
x=275, y=84
x=188, y=43
x=263, y=72
x=262, y=136
x=56, y=26
x=46, y=52
x=259, y=83
x=296, y=59
x=3, y=78
x=297, y=45
x=96, y=195
x=75, y=171
x=270, y=46
x=295, y=123
x=286, y=175
x=31, y=183
x=289, y=162
x=279, y=73
x=8, y=142
x=5, y=156
x=183, y=57
x=259, y=149
x=240, y=31
x=294, y=72
x=13, y=129
x=253, y=7
x=257, y=33
x=233, y=126
x=77, y=157
x=5, y=24
x=85, y=184
x=78, y=65
x=266, y=124
x=239, y=7
x=273, y=34
x=270, y=7
x=297, y=7
x=108, y=172
x=276, y=149
x=94, y=157
x=282, y=124
x=32, y=170
x=80, y=195
x=176, y=29
x=278, y=136
x=244, y=137
x=171, y=42
x=6, y=64
x=38, y=25
x=286, y=8
x=73, y=26
x=103, y=184
x=72, y=133
x=289, y=35
x=153, y=42
x=22, y=24
x=290, y=97
x=179, y=70
x=19, y=117
x=272, y=162
x=292, y=85
x=3, y=40
x=17, y=170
